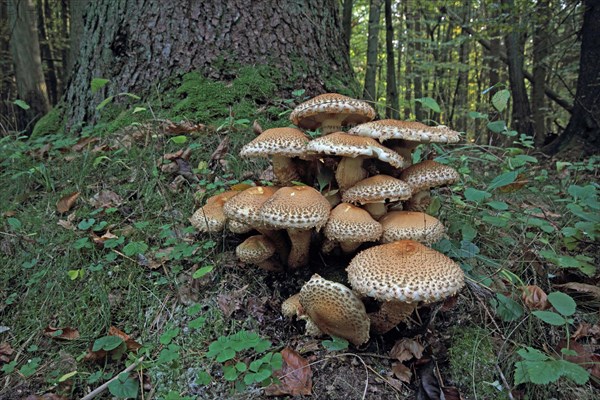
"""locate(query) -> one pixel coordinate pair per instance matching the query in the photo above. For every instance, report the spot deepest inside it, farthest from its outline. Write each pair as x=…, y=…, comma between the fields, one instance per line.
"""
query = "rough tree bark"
x=521, y=110
x=136, y=44
x=347, y=21
x=25, y=49
x=541, y=49
x=392, y=103
x=584, y=126
x=370, y=88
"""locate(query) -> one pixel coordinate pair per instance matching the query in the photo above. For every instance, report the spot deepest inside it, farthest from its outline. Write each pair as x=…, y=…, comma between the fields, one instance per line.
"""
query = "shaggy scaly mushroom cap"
x=297, y=209
x=376, y=191
x=351, y=226
x=353, y=149
x=410, y=134
x=423, y=176
x=238, y=227
x=258, y=249
x=211, y=218
x=406, y=271
x=335, y=309
x=281, y=144
x=292, y=308
x=400, y=225
x=401, y=274
x=245, y=209
x=331, y=111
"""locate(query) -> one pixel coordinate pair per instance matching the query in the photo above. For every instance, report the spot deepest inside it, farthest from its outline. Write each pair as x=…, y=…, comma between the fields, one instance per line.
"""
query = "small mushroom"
x=258, y=250
x=292, y=308
x=353, y=150
x=375, y=191
x=297, y=209
x=210, y=218
x=404, y=271
x=423, y=176
x=331, y=111
x=400, y=225
x=351, y=226
x=408, y=134
x=335, y=309
x=281, y=144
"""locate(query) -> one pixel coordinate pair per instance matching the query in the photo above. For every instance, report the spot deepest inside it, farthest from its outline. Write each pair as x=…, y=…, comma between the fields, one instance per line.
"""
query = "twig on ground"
x=103, y=387
x=506, y=385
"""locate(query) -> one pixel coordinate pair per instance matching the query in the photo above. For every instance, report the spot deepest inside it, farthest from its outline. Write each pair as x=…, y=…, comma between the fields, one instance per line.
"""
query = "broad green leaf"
x=181, y=139
x=204, y=378
x=107, y=343
x=29, y=369
x=475, y=195
x=500, y=99
x=550, y=317
x=138, y=109
x=508, y=309
x=563, y=303
x=21, y=104
x=15, y=224
x=539, y=372
x=531, y=354
x=168, y=336
x=67, y=376
x=225, y=355
x=197, y=323
x=230, y=373
x=497, y=205
x=573, y=371
x=125, y=387
x=335, y=344
x=98, y=83
x=477, y=115
x=503, y=180
x=200, y=272
x=134, y=248
x=496, y=126
x=430, y=103
x=86, y=224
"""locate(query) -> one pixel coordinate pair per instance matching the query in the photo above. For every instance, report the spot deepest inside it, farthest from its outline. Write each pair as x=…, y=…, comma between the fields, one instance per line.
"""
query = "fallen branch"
x=103, y=387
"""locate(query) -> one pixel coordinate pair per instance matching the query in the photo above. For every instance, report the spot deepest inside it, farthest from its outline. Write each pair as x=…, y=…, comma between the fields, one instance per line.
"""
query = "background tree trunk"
x=76, y=26
x=370, y=88
x=521, y=111
x=392, y=103
x=25, y=49
x=136, y=44
x=541, y=49
x=584, y=125
x=47, y=54
x=417, y=79
x=347, y=21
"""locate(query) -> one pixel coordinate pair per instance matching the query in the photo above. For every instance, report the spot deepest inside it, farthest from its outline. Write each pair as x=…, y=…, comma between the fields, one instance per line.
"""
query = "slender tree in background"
x=137, y=44
x=541, y=50
x=416, y=56
x=25, y=50
x=514, y=42
x=584, y=125
x=76, y=11
x=347, y=21
x=392, y=103
x=462, y=83
x=47, y=53
x=370, y=88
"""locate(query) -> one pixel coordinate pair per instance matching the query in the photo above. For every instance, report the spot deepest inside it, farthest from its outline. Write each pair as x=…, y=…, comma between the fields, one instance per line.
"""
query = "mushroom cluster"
x=376, y=196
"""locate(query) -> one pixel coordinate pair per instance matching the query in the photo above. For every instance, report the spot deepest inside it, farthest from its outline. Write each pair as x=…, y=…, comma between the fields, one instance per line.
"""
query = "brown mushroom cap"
x=335, y=309
x=345, y=110
x=299, y=207
x=400, y=225
x=238, y=227
x=428, y=174
x=289, y=142
x=255, y=249
x=291, y=307
x=377, y=189
x=345, y=145
x=247, y=204
x=412, y=131
x=406, y=271
x=351, y=226
x=211, y=218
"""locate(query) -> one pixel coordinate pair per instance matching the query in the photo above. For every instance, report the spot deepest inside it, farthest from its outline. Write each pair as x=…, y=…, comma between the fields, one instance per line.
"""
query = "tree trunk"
x=136, y=44
x=541, y=49
x=392, y=103
x=77, y=9
x=25, y=49
x=370, y=88
x=462, y=83
x=347, y=21
x=417, y=80
x=521, y=111
x=584, y=126
x=47, y=54
x=408, y=71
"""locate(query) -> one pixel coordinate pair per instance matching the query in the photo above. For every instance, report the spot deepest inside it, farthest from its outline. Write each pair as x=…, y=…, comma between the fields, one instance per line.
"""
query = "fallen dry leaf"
x=5, y=352
x=452, y=393
x=585, y=330
x=83, y=143
x=429, y=385
x=177, y=128
x=99, y=240
x=405, y=349
x=219, y=154
x=295, y=376
x=232, y=301
x=106, y=199
x=534, y=297
x=585, y=357
x=61, y=333
x=66, y=202
x=582, y=288
x=10, y=213
x=115, y=354
x=402, y=372
x=256, y=128
x=132, y=345
x=66, y=224
x=518, y=184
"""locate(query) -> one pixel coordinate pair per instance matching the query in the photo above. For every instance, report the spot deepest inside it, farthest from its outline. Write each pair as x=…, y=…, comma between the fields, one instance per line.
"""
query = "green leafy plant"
x=235, y=351
x=335, y=344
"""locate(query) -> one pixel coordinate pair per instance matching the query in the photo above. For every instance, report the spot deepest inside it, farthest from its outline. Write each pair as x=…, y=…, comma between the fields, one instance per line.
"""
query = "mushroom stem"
x=349, y=246
x=390, y=314
x=299, y=253
x=279, y=241
x=284, y=170
x=270, y=265
x=419, y=201
x=405, y=148
x=377, y=210
x=349, y=172
x=332, y=123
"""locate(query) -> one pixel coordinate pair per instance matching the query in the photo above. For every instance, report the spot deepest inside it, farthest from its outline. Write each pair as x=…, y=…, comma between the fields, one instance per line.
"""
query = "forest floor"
x=101, y=270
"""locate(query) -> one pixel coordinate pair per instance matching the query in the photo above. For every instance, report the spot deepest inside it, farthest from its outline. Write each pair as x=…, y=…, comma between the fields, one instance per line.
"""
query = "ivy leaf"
x=500, y=99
